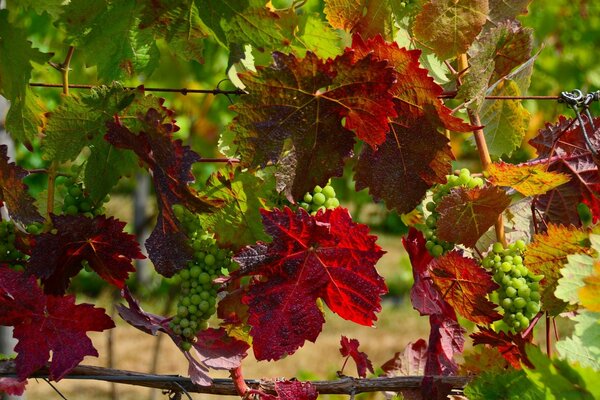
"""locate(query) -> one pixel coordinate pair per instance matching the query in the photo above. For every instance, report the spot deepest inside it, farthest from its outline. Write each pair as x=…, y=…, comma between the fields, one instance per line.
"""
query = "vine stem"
x=482, y=149
x=64, y=69
x=238, y=381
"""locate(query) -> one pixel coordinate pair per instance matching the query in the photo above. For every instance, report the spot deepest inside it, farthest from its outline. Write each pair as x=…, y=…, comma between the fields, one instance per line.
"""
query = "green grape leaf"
x=70, y=128
x=16, y=55
x=508, y=384
x=239, y=222
x=494, y=56
x=505, y=121
x=52, y=7
x=104, y=168
x=316, y=35
x=578, y=267
x=559, y=379
x=501, y=10
x=589, y=294
x=367, y=17
x=584, y=345
x=465, y=214
x=107, y=34
x=242, y=22
x=236, y=23
x=288, y=116
x=527, y=179
x=79, y=122
x=25, y=117
x=179, y=24
x=449, y=27
x=405, y=166
x=547, y=254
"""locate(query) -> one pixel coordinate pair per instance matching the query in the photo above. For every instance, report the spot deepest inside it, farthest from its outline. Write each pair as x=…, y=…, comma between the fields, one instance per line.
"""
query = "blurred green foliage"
x=568, y=33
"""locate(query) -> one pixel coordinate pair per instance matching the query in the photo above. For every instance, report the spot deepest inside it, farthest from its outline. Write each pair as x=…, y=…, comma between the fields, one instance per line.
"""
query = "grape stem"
x=482, y=149
x=64, y=69
x=532, y=325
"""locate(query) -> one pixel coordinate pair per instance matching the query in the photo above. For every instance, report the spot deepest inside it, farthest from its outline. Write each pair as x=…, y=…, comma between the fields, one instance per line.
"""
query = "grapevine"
x=230, y=162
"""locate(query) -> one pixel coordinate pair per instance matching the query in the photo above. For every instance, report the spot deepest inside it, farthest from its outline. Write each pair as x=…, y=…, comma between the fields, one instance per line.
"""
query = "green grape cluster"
x=435, y=245
x=8, y=252
x=76, y=202
x=519, y=295
x=197, y=300
x=321, y=198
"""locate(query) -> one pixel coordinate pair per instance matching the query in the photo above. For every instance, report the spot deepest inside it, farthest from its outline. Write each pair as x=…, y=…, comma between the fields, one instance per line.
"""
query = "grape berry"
x=518, y=295
x=321, y=198
x=8, y=252
x=76, y=202
x=434, y=245
x=198, y=294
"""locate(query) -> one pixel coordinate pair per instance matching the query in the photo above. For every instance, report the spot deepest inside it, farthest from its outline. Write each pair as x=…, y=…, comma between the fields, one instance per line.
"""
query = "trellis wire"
x=186, y=91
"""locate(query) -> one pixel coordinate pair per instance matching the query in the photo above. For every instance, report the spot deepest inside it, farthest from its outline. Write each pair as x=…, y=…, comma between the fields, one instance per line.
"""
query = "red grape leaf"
x=44, y=324
x=446, y=335
x=349, y=348
x=296, y=390
x=138, y=318
x=547, y=254
x=563, y=148
x=218, y=350
x=170, y=163
x=13, y=192
x=12, y=386
x=425, y=298
x=527, y=179
x=415, y=93
x=326, y=256
x=446, y=339
x=449, y=27
x=512, y=347
x=367, y=17
x=56, y=257
x=466, y=214
x=410, y=362
x=215, y=348
x=309, y=107
x=405, y=166
x=465, y=285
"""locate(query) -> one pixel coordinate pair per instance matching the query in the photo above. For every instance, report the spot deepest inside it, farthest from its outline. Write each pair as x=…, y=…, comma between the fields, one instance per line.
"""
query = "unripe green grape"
x=332, y=203
x=319, y=199
x=185, y=346
x=517, y=284
x=329, y=192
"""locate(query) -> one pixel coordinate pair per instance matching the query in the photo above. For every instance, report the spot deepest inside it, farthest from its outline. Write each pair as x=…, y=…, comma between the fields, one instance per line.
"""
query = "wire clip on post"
x=580, y=102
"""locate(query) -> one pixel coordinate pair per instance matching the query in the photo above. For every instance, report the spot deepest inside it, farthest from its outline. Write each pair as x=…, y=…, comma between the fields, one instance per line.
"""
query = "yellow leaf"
x=529, y=180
